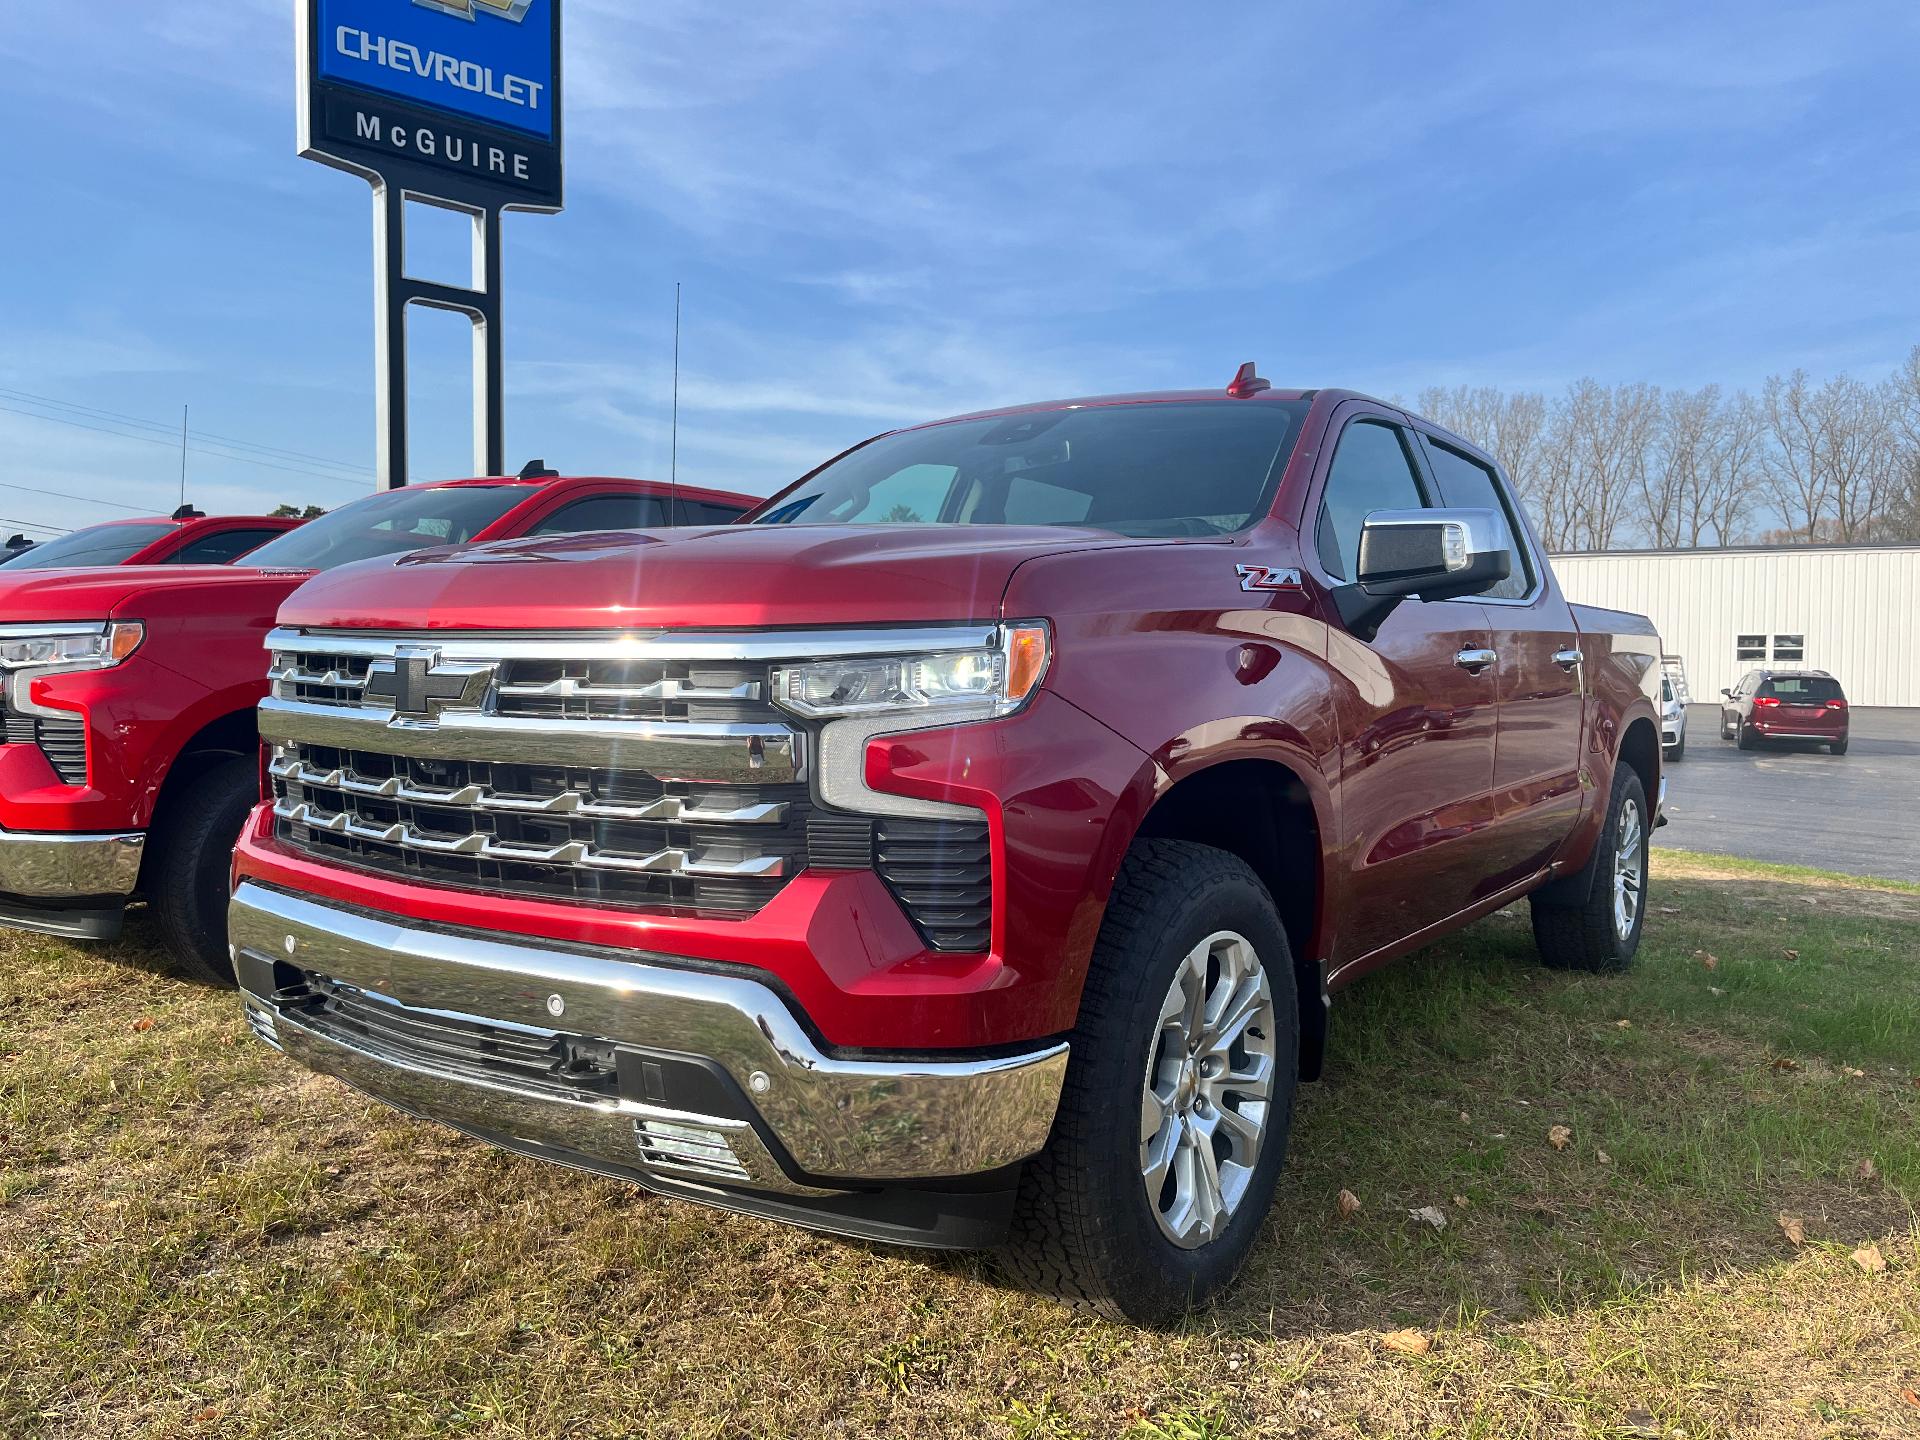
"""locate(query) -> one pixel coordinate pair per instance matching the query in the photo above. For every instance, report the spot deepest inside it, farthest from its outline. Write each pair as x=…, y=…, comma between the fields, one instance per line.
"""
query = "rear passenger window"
x=221, y=548
x=1372, y=470
x=1466, y=484
x=603, y=512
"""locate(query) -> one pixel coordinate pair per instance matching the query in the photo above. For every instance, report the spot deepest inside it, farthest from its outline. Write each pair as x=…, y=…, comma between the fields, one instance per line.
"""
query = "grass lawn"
x=199, y=1239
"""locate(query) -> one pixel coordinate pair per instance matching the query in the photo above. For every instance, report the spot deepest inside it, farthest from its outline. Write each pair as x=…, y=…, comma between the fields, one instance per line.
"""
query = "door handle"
x=1567, y=660
x=1475, y=660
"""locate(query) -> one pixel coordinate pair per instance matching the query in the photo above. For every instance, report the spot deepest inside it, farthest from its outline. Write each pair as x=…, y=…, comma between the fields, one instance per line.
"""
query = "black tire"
x=1083, y=1226
x=1679, y=751
x=1747, y=739
x=186, y=877
x=1839, y=747
x=1587, y=936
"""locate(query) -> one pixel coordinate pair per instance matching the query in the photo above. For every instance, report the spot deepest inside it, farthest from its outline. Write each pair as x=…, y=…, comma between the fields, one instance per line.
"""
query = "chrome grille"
x=585, y=776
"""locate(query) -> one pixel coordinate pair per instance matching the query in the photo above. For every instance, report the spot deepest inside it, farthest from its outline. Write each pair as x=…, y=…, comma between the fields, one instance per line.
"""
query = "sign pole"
x=449, y=103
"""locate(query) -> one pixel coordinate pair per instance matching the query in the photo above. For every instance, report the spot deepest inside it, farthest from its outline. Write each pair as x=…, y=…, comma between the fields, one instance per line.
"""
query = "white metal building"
x=1853, y=610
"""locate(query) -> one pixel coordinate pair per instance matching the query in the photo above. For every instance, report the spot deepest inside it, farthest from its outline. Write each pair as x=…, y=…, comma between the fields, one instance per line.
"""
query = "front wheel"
x=1602, y=934
x=186, y=883
x=1178, y=1102
x=1679, y=750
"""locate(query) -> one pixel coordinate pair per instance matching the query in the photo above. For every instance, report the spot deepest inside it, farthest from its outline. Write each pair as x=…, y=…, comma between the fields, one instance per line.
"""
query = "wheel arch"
x=1265, y=812
x=233, y=735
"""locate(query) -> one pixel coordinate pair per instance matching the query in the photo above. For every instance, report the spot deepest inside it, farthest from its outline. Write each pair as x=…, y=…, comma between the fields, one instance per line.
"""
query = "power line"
x=83, y=499
x=174, y=442
x=167, y=429
x=31, y=525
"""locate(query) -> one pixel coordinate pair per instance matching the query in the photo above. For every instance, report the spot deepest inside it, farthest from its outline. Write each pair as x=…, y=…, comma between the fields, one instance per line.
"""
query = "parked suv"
x=1785, y=705
x=184, y=538
x=129, y=754
x=968, y=850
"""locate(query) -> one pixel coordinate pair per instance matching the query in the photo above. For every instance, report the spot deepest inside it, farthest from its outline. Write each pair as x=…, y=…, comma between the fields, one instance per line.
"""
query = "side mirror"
x=1727, y=693
x=1429, y=554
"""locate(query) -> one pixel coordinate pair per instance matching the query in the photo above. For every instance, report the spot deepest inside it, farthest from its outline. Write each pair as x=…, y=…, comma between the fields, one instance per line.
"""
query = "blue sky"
x=885, y=212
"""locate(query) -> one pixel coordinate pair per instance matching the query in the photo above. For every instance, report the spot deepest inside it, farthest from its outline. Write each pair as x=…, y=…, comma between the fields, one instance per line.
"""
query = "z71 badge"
x=1268, y=577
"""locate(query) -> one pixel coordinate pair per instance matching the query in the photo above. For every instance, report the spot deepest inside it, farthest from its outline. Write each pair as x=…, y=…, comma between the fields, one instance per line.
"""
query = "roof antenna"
x=537, y=470
x=1246, y=383
x=187, y=512
x=673, y=452
x=183, y=457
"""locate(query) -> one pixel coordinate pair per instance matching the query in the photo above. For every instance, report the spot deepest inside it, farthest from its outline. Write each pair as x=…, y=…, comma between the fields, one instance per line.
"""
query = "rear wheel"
x=1602, y=934
x=1178, y=1102
x=1748, y=740
x=186, y=882
x=1839, y=747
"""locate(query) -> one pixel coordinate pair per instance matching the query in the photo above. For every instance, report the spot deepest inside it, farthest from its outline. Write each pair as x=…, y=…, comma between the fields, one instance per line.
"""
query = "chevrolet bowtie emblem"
x=514, y=10
x=421, y=687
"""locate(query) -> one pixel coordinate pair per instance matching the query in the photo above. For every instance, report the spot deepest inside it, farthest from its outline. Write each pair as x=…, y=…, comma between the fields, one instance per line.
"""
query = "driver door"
x=1417, y=714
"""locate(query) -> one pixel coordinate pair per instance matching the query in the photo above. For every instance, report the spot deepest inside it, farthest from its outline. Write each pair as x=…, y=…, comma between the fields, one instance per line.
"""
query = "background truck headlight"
x=28, y=652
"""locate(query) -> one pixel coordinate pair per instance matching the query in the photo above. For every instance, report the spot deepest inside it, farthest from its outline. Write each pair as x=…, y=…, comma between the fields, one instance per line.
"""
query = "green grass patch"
x=199, y=1239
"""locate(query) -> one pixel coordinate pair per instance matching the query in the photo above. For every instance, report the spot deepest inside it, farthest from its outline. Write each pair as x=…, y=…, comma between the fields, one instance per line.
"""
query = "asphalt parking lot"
x=1796, y=804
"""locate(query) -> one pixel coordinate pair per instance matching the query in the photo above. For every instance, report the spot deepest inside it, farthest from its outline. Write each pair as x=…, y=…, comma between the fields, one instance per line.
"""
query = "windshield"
x=95, y=545
x=390, y=524
x=1178, y=468
x=1793, y=688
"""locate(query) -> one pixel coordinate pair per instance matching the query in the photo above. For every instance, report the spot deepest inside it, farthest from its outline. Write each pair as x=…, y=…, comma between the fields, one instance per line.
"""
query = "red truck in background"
x=130, y=756
x=965, y=848
x=186, y=537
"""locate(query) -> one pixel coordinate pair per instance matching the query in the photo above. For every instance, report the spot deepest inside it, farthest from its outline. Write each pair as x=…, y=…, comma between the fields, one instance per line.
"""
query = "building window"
x=1750, y=647
x=1789, y=647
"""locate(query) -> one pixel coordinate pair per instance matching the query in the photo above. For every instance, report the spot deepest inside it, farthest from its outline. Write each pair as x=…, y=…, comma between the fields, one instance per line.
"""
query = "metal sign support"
x=449, y=103
x=394, y=290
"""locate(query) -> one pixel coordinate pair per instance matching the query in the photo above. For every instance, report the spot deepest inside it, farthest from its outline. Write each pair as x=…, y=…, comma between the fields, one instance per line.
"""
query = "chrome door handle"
x=1567, y=660
x=1475, y=660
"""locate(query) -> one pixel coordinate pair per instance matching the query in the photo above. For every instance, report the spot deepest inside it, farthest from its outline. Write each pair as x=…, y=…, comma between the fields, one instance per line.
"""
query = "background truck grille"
x=63, y=742
x=661, y=783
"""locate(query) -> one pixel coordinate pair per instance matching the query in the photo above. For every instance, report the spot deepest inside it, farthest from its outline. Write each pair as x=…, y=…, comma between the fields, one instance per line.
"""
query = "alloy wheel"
x=1206, y=1098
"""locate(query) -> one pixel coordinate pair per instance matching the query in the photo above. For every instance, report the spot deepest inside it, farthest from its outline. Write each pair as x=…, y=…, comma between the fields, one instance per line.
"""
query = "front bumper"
x=71, y=885
x=686, y=1080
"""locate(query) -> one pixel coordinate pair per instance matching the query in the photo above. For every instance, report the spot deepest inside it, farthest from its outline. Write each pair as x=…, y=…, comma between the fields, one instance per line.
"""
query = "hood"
x=732, y=576
x=123, y=592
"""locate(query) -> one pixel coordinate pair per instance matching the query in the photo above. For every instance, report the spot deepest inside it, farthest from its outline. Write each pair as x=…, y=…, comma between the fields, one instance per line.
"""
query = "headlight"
x=972, y=684
x=47, y=648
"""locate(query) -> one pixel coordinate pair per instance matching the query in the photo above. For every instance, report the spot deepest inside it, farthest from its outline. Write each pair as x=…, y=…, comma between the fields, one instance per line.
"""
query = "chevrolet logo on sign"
x=514, y=10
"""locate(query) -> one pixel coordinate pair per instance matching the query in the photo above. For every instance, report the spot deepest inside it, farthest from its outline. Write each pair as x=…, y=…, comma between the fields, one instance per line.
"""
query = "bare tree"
x=1734, y=468
x=1796, y=477
x=1599, y=451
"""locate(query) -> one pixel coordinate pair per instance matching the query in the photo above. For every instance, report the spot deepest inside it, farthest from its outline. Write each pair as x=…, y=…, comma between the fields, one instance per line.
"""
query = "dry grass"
x=196, y=1239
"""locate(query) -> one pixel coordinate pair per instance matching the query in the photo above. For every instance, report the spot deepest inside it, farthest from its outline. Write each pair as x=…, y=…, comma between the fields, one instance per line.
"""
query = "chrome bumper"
x=838, y=1123
x=54, y=866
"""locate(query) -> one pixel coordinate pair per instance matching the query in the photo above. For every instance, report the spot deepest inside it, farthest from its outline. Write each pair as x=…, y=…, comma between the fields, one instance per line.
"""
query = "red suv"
x=1785, y=705
x=183, y=538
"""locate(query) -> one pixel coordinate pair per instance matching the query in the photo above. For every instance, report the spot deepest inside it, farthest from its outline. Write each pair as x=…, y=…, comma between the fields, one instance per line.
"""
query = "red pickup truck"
x=129, y=755
x=964, y=849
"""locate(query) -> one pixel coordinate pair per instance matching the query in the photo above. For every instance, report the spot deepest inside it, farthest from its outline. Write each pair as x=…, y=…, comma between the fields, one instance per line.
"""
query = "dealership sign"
x=449, y=103
x=458, y=99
